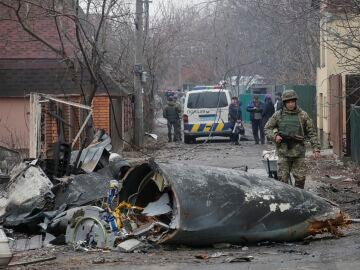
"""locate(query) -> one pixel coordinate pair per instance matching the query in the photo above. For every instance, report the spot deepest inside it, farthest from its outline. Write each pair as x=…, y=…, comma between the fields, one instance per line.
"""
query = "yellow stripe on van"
x=220, y=126
x=207, y=127
x=195, y=127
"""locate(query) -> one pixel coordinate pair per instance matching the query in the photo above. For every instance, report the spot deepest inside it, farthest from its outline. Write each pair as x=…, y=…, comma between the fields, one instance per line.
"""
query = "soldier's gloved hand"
x=317, y=155
x=278, y=139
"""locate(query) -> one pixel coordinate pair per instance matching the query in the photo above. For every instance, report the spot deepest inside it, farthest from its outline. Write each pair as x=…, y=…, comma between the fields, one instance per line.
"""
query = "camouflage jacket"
x=172, y=111
x=297, y=148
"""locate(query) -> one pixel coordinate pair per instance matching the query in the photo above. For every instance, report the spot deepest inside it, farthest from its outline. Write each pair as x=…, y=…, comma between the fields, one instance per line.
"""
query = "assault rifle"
x=291, y=140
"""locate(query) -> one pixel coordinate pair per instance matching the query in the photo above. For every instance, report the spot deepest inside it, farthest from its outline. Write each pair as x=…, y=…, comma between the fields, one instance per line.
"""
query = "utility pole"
x=147, y=16
x=139, y=113
x=149, y=119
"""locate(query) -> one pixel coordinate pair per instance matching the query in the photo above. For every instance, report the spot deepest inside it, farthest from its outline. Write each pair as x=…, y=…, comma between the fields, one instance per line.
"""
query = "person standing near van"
x=172, y=113
x=269, y=109
x=177, y=134
x=234, y=115
x=256, y=108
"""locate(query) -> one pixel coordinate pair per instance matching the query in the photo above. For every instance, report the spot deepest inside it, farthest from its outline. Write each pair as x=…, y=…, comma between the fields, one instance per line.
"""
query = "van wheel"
x=188, y=139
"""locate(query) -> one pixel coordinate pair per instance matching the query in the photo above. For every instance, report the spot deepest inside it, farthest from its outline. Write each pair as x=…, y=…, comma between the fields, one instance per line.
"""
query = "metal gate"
x=355, y=133
x=336, y=113
x=352, y=105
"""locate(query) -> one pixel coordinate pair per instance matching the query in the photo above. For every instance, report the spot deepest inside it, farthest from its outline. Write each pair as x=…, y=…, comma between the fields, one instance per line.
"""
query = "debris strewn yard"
x=126, y=211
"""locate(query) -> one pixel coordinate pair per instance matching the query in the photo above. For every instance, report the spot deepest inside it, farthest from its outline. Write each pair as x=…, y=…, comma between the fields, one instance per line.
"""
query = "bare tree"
x=81, y=36
x=161, y=48
x=341, y=25
x=278, y=39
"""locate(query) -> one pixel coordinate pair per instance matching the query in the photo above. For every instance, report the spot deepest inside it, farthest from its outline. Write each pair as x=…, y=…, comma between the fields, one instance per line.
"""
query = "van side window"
x=207, y=100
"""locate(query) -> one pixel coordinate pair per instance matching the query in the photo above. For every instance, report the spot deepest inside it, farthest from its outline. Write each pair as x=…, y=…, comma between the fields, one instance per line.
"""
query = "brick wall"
x=71, y=115
x=101, y=113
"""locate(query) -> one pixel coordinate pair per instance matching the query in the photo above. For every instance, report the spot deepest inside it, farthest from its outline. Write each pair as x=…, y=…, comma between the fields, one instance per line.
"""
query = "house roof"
x=16, y=43
x=51, y=79
x=27, y=65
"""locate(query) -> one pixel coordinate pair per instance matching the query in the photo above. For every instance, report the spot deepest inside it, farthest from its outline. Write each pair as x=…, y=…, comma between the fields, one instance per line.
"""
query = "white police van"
x=206, y=112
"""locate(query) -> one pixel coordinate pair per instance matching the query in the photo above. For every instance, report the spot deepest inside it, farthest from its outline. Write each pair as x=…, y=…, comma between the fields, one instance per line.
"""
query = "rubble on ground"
x=106, y=203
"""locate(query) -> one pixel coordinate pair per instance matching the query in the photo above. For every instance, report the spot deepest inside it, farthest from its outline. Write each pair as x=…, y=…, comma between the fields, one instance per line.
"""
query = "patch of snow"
x=273, y=207
x=284, y=206
x=279, y=206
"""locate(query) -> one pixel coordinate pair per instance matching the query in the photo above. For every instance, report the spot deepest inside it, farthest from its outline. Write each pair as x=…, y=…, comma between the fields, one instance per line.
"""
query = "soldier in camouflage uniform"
x=289, y=128
x=172, y=113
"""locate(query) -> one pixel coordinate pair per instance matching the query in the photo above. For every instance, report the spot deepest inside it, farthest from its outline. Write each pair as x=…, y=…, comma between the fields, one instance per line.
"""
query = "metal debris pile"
x=97, y=200
x=38, y=193
x=126, y=220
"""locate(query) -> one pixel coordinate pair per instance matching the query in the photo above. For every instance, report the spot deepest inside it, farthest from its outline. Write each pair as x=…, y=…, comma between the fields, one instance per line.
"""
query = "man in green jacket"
x=289, y=128
x=172, y=113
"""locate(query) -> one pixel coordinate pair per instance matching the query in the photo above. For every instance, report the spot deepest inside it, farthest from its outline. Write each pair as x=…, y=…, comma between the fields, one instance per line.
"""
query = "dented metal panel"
x=212, y=205
x=91, y=156
x=19, y=193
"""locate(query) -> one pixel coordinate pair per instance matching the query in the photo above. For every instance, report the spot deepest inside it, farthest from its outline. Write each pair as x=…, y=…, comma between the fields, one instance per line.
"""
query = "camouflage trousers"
x=177, y=130
x=296, y=166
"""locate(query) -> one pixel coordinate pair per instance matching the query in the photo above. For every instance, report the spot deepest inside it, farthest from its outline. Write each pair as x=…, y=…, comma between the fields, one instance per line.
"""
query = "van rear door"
x=205, y=108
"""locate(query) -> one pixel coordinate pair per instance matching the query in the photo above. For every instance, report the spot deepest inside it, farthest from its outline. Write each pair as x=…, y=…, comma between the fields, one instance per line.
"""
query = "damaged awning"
x=206, y=205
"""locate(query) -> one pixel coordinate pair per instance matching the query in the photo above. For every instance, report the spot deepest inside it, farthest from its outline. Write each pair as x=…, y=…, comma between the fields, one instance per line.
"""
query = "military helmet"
x=289, y=95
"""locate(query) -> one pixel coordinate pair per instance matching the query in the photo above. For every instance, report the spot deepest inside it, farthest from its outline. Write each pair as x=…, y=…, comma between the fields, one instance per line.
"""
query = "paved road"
x=331, y=254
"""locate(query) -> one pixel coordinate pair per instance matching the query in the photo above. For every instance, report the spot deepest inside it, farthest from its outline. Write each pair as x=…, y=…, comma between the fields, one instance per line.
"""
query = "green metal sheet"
x=355, y=133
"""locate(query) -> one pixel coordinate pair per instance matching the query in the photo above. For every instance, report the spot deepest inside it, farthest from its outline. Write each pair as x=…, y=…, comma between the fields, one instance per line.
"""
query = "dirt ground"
x=328, y=177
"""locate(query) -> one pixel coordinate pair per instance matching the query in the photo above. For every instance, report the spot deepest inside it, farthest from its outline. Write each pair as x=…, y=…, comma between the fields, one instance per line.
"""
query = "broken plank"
x=33, y=261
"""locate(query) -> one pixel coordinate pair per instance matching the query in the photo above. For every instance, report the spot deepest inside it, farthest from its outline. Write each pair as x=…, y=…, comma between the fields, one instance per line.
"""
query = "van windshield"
x=207, y=100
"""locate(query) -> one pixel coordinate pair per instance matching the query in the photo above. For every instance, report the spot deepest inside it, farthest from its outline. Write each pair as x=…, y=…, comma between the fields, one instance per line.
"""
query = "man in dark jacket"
x=172, y=113
x=269, y=108
x=234, y=115
x=256, y=107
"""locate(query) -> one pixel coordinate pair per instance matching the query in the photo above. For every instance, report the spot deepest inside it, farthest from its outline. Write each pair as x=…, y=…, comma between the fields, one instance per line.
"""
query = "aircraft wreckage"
x=167, y=203
x=198, y=205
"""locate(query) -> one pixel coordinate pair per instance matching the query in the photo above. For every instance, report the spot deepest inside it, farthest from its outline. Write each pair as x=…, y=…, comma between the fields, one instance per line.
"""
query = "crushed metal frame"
x=35, y=120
